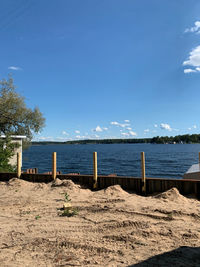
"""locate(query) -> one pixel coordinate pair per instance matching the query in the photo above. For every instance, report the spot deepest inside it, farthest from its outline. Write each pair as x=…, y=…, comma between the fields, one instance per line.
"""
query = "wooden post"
x=19, y=164
x=143, y=173
x=95, y=169
x=54, y=165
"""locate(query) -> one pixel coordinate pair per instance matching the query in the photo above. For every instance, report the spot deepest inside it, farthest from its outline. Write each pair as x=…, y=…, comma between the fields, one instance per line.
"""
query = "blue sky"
x=105, y=68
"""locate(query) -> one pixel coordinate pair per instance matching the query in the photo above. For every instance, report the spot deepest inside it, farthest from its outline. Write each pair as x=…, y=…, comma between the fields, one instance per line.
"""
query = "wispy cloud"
x=193, y=127
x=61, y=139
x=156, y=125
x=189, y=70
x=77, y=132
x=14, y=68
x=120, y=124
x=130, y=133
x=195, y=28
x=165, y=126
x=146, y=130
x=127, y=120
x=64, y=133
x=125, y=134
x=105, y=128
x=45, y=138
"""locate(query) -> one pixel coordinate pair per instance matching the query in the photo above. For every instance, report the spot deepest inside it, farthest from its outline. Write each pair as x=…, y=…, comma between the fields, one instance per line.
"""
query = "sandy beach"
x=112, y=227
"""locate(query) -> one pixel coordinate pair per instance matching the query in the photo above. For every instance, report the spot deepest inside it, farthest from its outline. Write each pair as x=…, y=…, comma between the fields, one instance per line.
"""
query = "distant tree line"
x=179, y=139
x=186, y=139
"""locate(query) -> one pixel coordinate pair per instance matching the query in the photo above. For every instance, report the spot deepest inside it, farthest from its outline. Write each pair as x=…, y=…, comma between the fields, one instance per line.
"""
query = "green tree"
x=15, y=119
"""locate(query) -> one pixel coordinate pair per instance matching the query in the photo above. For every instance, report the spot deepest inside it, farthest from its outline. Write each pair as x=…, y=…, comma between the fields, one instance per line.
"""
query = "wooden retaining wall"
x=134, y=184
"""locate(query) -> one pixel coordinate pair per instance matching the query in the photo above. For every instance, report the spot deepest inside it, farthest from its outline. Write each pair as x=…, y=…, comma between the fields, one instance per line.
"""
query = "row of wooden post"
x=54, y=168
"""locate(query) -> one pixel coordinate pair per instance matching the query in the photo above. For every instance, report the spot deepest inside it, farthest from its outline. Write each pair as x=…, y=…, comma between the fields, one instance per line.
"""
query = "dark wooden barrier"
x=134, y=184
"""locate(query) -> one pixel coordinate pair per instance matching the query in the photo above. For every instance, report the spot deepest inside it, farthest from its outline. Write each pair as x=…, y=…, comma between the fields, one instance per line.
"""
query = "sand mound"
x=56, y=182
x=66, y=183
x=19, y=183
x=115, y=190
x=172, y=195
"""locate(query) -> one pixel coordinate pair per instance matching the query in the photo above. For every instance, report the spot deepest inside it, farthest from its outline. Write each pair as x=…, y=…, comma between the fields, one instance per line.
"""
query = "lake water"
x=170, y=161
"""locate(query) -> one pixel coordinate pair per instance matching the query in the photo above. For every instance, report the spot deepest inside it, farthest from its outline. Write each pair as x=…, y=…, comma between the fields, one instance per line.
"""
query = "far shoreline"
x=179, y=139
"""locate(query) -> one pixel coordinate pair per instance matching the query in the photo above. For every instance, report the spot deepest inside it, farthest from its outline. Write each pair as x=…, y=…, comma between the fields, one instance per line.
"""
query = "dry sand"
x=112, y=227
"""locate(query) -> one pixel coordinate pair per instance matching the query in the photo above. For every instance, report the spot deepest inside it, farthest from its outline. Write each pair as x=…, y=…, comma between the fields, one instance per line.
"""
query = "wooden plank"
x=19, y=164
x=143, y=173
x=54, y=172
x=95, y=170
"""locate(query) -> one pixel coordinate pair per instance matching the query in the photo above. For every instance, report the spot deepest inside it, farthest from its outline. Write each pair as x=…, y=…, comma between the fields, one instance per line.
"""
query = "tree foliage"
x=15, y=117
x=7, y=148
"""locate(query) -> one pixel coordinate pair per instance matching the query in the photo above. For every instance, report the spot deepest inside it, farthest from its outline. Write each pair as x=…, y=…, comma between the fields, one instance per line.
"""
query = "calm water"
x=122, y=159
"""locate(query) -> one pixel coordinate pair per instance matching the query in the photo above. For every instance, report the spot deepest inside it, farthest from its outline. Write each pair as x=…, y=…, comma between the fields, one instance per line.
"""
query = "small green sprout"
x=37, y=217
x=67, y=197
x=68, y=210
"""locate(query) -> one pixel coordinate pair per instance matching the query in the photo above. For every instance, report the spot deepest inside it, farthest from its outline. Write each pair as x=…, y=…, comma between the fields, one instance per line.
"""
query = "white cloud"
x=126, y=120
x=195, y=29
x=114, y=123
x=78, y=132
x=194, y=55
x=61, y=138
x=165, y=126
x=14, y=68
x=189, y=70
x=155, y=125
x=105, y=128
x=119, y=124
x=44, y=138
x=64, y=133
x=193, y=61
x=129, y=128
x=132, y=133
x=125, y=134
x=98, y=129
x=146, y=130
x=193, y=127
